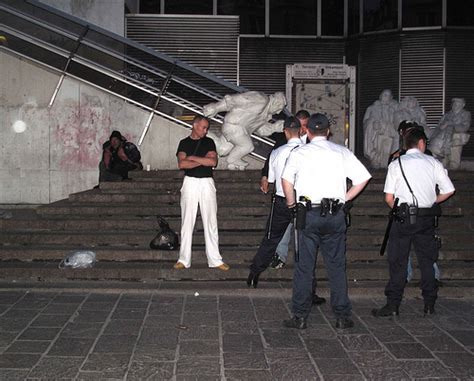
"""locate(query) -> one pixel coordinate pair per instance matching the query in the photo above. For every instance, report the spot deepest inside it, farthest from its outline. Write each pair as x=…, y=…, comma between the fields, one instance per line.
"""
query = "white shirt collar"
x=413, y=150
x=294, y=140
x=318, y=138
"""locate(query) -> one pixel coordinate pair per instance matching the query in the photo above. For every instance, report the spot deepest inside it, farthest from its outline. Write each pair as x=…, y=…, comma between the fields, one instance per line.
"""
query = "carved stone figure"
x=409, y=109
x=451, y=134
x=380, y=137
x=247, y=113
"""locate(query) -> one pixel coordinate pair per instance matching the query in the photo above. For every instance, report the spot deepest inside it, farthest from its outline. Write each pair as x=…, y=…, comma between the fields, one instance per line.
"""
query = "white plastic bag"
x=79, y=259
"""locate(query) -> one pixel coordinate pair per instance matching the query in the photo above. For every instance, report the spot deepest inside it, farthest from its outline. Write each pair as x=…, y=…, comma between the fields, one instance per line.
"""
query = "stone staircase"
x=118, y=221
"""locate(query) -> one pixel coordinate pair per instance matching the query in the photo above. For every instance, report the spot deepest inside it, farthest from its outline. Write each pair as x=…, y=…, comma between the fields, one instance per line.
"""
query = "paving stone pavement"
x=179, y=336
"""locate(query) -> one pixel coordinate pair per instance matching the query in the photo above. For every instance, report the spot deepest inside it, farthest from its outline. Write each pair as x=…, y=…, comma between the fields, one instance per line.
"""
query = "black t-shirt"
x=199, y=148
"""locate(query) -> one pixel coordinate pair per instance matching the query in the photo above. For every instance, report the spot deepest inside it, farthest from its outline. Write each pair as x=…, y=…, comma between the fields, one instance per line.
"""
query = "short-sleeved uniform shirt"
x=199, y=148
x=278, y=159
x=423, y=173
x=319, y=170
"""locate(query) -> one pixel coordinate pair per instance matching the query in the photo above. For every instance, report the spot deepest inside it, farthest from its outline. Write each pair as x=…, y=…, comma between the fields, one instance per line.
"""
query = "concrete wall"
x=108, y=14
x=60, y=149
x=59, y=152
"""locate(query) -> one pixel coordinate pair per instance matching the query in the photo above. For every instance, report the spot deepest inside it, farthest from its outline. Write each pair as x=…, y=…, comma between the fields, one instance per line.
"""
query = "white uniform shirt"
x=277, y=163
x=423, y=172
x=319, y=170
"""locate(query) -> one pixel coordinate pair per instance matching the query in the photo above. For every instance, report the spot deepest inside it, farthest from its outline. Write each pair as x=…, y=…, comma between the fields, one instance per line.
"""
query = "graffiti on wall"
x=80, y=131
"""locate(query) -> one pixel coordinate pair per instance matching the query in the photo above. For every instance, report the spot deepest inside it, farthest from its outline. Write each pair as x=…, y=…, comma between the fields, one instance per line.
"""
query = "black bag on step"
x=165, y=239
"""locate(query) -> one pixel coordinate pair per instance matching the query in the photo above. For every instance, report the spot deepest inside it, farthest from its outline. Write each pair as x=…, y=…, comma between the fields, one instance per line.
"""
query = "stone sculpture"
x=247, y=113
x=451, y=134
x=380, y=136
x=409, y=109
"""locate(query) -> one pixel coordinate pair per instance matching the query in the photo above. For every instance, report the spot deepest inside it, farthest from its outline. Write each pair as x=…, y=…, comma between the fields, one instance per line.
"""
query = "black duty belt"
x=423, y=212
x=434, y=211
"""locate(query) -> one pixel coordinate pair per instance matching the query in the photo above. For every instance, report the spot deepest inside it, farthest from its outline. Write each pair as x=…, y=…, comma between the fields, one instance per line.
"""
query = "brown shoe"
x=223, y=267
x=178, y=266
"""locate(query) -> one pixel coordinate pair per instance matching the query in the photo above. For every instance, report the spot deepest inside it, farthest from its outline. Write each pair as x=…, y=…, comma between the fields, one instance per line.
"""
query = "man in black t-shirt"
x=197, y=156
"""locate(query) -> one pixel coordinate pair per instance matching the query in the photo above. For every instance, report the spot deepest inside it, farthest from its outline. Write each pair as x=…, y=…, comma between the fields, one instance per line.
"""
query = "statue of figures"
x=451, y=134
x=380, y=138
x=247, y=113
x=409, y=109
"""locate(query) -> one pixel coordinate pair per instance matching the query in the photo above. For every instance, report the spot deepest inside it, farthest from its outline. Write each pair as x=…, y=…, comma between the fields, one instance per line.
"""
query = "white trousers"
x=199, y=192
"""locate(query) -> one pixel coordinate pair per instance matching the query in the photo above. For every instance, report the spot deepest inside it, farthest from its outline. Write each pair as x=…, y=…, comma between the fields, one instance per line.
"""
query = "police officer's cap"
x=406, y=125
x=318, y=122
x=292, y=123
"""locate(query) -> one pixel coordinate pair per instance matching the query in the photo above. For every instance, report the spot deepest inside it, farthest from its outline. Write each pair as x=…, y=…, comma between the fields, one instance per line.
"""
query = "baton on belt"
x=269, y=228
x=297, y=245
x=300, y=222
x=391, y=217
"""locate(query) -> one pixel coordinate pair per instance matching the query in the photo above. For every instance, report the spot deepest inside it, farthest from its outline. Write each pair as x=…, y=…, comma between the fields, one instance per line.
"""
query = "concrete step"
x=267, y=288
x=365, y=239
x=65, y=207
x=451, y=224
x=223, y=198
x=233, y=255
x=152, y=271
x=464, y=190
x=377, y=174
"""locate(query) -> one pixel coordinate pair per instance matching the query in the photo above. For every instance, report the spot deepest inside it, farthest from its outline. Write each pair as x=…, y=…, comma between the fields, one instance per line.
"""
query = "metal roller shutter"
x=422, y=72
x=208, y=42
x=263, y=60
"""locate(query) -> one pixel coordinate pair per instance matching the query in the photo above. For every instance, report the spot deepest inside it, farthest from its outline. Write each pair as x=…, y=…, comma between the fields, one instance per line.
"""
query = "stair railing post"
x=163, y=90
x=71, y=56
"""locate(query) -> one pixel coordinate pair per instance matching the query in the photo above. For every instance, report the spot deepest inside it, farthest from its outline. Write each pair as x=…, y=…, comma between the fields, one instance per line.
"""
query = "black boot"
x=344, y=322
x=318, y=300
x=429, y=309
x=252, y=280
x=385, y=311
x=295, y=322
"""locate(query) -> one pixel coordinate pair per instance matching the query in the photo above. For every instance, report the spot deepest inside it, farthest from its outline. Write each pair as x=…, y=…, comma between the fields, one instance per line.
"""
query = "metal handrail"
x=8, y=6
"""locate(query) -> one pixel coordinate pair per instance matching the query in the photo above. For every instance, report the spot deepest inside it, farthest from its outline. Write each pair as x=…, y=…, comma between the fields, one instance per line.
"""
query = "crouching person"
x=118, y=158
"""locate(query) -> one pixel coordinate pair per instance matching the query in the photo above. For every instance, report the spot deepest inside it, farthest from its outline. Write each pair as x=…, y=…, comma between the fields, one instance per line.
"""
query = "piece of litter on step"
x=182, y=327
x=355, y=280
x=196, y=293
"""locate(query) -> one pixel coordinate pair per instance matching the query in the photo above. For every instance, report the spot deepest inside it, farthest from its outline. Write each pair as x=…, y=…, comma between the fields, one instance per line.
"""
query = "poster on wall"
x=327, y=89
x=329, y=99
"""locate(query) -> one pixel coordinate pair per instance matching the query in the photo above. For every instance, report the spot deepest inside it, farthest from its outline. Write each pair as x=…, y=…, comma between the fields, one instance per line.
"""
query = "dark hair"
x=302, y=114
x=407, y=125
x=116, y=134
x=292, y=123
x=412, y=137
x=198, y=118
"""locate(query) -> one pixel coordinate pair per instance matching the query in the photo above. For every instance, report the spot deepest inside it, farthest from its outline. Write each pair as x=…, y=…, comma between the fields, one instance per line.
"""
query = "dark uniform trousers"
x=280, y=221
x=402, y=235
x=329, y=234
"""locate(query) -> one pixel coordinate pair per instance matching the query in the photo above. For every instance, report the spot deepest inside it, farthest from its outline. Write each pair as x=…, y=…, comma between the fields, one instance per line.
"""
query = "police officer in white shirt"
x=414, y=221
x=280, y=216
x=318, y=172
